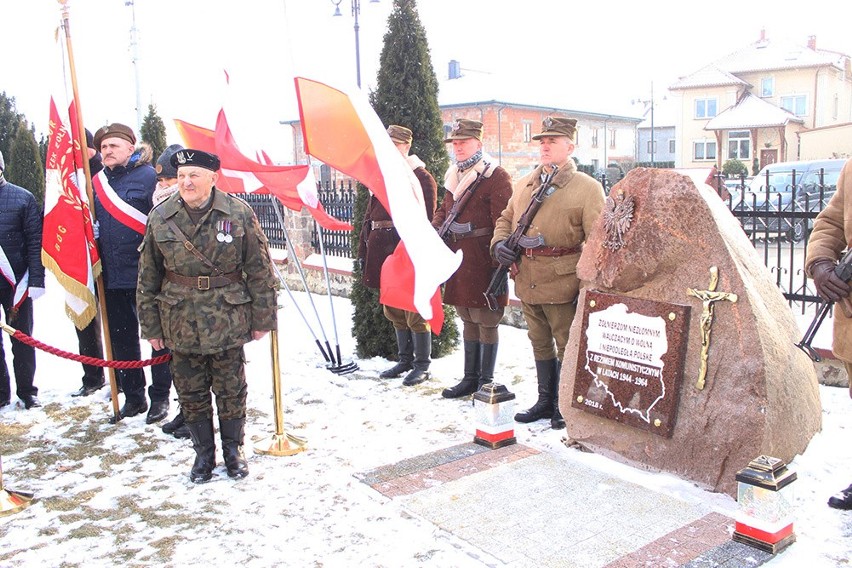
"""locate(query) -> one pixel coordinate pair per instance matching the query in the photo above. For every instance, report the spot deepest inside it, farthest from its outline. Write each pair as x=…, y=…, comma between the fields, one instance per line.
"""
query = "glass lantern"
x=765, y=498
x=494, y=411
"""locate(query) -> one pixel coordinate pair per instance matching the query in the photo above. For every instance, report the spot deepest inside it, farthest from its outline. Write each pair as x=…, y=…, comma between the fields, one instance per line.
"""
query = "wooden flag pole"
x=81, y=133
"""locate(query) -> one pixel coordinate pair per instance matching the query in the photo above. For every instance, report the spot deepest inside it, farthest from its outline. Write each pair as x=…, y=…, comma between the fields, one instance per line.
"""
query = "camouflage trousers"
x=223, y=373
x=548, y=326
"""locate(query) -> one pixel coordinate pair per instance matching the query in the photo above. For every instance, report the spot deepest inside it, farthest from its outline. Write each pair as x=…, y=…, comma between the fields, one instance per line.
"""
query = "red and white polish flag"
x=341, y=129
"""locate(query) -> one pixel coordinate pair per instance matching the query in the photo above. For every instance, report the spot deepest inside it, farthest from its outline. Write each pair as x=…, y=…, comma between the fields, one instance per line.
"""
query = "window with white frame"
x=612, y=132
x=739, y=145
x=767, y=86
x=652, y=146
x=705, y=108
x=671, y=145
x=704, y=150
x=527, y=124
x=594, y=137
x=797, y=104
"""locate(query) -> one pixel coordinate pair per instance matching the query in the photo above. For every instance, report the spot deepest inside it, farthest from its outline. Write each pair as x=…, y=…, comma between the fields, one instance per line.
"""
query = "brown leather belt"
x=381, y=225
x=204, y=282
x=552, y=251
x=455, y=237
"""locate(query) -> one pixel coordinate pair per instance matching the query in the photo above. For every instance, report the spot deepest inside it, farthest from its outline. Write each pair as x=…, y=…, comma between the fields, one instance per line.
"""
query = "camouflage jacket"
x=205, y=321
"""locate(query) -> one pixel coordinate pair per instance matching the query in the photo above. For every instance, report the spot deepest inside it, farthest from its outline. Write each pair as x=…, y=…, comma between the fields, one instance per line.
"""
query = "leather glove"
x=504, y=254
x=829, y=286
x=96, y=229
x=35, y=293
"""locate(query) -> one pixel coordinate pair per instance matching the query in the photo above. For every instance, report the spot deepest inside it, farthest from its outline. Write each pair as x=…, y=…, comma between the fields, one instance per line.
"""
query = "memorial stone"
x=739, y=386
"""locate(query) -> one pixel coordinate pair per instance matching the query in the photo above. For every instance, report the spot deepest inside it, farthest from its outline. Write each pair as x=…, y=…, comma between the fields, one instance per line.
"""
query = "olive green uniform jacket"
x=832, y=234
x=564, y=220
x=205, y=321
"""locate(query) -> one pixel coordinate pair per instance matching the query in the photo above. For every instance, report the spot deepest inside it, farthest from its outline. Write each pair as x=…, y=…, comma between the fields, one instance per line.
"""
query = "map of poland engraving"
x=623, y=349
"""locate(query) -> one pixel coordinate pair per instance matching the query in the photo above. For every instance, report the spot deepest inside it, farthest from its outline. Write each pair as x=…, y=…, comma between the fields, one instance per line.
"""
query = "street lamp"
x=356, y=9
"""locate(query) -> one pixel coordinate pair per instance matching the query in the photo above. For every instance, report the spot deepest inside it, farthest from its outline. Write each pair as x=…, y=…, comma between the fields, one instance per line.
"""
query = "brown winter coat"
x=831, y=235
x=466, y=287
x=375, y=245
x=564, y=220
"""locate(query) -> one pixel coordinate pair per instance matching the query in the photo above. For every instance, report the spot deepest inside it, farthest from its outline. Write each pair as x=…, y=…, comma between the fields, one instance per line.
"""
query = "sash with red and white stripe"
x=19, y=289
x=125, y=213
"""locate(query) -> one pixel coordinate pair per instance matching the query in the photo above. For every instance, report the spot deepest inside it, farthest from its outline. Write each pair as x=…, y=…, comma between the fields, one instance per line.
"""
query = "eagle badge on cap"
x=548, y=122
x=184, y=157
x=456, y=126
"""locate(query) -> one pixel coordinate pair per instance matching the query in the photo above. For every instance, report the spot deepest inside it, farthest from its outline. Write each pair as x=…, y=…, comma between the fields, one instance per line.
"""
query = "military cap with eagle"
x=198, y=158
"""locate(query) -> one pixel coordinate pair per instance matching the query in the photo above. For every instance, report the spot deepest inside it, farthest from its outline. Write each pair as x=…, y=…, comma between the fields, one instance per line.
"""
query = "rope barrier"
x=32, y=342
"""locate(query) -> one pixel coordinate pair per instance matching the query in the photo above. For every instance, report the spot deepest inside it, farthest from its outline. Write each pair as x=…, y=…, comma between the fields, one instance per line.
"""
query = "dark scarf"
x=470, y=162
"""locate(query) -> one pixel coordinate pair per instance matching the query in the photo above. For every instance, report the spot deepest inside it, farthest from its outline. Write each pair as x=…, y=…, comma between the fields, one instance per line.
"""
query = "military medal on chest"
x=224, y=235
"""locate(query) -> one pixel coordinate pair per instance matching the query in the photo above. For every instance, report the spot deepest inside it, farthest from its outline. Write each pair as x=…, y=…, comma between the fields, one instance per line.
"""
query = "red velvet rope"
x=32, y=342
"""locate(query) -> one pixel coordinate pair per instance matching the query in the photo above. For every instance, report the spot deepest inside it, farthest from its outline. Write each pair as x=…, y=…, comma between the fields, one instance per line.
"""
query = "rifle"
x=843, y=270
x=517, y=240
x=449, y=225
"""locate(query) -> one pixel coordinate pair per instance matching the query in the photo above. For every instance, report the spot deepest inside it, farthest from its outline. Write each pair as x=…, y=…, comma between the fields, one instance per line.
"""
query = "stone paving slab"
x=526, y=508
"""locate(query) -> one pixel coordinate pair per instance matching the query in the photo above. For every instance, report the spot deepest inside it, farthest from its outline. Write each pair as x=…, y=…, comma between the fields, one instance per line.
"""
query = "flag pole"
x=81, y=134
x=280, y=443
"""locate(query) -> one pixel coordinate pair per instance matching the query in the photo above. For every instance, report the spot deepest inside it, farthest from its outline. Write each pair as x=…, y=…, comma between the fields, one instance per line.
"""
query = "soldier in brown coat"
x=832, y=234
x=484, y=188
x=378, y=240
x=545, y=279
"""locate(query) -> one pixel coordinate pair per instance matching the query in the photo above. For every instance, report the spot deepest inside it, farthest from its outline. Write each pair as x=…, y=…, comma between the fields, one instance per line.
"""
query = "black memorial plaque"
x=630, y=365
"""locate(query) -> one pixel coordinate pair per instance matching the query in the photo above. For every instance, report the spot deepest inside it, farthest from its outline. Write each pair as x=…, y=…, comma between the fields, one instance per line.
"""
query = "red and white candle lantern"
x=494, y=410
x=765, y=497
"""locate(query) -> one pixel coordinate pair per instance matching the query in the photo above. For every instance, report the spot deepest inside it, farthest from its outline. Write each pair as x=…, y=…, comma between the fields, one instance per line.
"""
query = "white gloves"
x=96, y=229
x=36, y=293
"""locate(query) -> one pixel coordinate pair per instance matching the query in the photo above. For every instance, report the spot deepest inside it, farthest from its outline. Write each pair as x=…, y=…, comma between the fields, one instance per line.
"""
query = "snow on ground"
x=120, y=494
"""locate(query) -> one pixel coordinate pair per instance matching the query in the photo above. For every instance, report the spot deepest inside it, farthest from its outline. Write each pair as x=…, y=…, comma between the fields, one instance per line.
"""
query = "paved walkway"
x=521, y=507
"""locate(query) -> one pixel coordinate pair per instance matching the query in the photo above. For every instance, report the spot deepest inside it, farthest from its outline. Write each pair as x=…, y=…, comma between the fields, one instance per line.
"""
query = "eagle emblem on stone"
x=617, y=216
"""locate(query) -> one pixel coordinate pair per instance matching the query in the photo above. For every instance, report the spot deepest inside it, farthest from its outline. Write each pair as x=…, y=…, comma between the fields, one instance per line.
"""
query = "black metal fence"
x=777, y=220
x=338, y=200
x=264, y=208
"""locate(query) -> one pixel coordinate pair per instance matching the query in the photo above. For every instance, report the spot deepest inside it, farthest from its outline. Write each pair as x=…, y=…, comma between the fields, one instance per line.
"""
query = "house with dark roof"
x=756, y=104
x=512, y=111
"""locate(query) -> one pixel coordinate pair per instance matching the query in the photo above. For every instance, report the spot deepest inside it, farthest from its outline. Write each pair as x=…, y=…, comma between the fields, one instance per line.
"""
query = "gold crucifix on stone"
x=708, y=297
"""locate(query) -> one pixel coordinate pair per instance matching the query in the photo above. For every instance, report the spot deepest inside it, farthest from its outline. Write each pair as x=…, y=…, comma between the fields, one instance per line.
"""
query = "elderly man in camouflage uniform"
x=206, y=287
x=545, y=280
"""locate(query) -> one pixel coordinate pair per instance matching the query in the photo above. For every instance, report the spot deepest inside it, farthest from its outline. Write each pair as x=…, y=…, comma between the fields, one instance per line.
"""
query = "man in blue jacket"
x=21, y=281
x=124, y=192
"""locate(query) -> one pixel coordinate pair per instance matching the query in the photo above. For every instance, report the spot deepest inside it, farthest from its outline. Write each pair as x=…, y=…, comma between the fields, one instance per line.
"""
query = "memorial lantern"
x=765, y=498
x=12, y=501
x=494, y=410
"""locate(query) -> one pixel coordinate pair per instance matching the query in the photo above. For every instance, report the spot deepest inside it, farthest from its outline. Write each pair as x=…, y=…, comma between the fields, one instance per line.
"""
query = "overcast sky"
x=613, y=50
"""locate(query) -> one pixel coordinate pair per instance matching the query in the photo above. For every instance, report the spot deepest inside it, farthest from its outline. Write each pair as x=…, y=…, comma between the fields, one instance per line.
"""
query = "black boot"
x=489, y=361
x=406, y=355
x=556, y=421
x=472, y=365
x=159, y=410
x=543, y=408
x=422, y=359
x=842, y=500
x=173, y=424
x=201, y=433
x=232, y=433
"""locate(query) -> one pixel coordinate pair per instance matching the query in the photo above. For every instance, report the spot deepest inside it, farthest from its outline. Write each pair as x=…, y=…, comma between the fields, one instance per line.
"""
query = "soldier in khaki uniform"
x=206, y=287
x=545, y=275
x=378, y=240
x=832, y=235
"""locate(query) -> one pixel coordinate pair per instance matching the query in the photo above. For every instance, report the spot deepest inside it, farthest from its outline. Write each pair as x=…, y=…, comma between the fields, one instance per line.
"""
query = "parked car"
x=785, y=197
